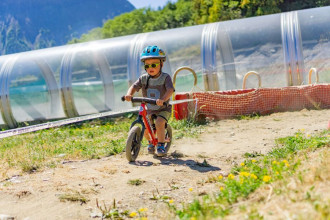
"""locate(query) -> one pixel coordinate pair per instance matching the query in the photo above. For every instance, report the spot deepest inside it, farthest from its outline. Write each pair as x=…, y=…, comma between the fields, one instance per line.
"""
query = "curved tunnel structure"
x=86, y=78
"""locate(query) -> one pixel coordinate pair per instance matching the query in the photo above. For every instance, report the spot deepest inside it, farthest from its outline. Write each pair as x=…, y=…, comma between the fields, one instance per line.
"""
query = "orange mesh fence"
x=227, y=104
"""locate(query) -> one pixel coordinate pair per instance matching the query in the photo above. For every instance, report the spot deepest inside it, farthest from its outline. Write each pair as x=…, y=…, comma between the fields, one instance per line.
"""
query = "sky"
x=154, y=4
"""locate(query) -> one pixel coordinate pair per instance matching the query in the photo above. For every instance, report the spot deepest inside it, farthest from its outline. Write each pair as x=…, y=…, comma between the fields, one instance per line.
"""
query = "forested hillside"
x=192, y=12
x=35, y=24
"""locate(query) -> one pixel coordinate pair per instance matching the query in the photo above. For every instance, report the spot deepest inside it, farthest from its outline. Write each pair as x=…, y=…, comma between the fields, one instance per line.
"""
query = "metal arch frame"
x=5, y=71
x=311, y=71
x=5, y=107
x=107, y=80
x=68, y=102
x=247, y=75
x=227, y=57
x=209, y=66
x=214, y=35
x=51, y=83
x=292, y=48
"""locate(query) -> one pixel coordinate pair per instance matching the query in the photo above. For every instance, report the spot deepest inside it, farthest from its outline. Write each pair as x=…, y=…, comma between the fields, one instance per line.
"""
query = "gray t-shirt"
x=156, y=89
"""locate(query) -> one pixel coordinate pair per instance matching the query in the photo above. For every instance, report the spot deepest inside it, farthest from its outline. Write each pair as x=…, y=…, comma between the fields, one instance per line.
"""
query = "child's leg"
x=146, y=135
x=160, y=126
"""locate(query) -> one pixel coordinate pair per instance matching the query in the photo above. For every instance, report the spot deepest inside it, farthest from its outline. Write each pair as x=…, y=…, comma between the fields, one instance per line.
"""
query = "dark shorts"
x=164, y=114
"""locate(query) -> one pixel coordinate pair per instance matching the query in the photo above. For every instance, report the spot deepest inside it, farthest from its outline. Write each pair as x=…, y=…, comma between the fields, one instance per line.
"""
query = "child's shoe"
x=161, y=150
x=151, y=148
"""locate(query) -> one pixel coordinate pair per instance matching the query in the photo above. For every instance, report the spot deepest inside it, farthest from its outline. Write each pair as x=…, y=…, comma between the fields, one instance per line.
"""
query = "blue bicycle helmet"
x=151, y=52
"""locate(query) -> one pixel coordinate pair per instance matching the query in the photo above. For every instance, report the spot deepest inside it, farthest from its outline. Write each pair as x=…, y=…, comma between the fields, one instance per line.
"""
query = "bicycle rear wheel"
x=133, y=143
x=168, y=138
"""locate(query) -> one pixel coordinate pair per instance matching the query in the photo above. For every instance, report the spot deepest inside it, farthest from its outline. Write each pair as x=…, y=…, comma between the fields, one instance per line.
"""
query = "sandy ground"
x=222, y=144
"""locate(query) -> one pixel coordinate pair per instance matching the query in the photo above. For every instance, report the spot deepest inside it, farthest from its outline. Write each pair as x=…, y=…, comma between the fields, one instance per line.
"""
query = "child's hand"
x=128, y=98
x=160, y=102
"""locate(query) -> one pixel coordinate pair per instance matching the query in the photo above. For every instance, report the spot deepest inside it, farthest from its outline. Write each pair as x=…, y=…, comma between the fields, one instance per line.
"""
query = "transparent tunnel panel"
x=182, y=50
x=91, y=77
x=29, y=96
x=116, y=52
x=315, y=34
x=87, y=86
x=2, y=60
x=257, y=46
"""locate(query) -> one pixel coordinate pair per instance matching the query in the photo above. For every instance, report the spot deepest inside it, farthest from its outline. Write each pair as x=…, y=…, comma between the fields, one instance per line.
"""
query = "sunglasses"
x=153, y=65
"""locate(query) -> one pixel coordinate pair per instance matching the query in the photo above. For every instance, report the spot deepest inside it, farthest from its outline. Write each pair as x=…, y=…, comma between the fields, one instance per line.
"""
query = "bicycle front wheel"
x=133, y=143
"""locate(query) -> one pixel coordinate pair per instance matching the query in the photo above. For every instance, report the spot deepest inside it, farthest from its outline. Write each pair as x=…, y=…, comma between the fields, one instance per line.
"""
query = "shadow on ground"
x=202, y=167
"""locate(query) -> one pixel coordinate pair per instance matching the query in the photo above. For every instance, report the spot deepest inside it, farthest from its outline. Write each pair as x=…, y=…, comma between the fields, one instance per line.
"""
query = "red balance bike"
x=135, y=135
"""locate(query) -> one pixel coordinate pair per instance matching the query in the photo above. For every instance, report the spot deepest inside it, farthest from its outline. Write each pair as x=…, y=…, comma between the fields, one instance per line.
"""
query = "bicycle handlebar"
x=141, y=99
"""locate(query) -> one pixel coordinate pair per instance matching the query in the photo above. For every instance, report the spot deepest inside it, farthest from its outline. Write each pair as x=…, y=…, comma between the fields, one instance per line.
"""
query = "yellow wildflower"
x=143, y=218
x=242, y=164
x=308, y=135
x=246, y=174
x=253, y=161
x=274, y=162
x=254, y=176
x=277, y=173
x=220, y=177
x=192, y=218
x=190, y=189
x=171, y=201
x=266, y=179
x=143, y=209
x=133, y=214
x=302, y=130
x=221, y=188
x=231, y=176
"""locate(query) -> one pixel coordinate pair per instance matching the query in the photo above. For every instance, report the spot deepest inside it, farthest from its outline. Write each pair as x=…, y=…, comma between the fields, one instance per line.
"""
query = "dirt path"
x=222, y=144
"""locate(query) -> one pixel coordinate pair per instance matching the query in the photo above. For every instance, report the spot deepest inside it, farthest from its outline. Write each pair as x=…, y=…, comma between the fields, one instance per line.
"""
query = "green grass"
x=187, y=128
x=85, y=140
x=73, y=197
x=250, y=175
x=136, y=182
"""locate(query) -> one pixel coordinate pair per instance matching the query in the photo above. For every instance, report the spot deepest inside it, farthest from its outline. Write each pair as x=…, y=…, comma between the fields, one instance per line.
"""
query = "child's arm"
x=130, y=93
x=166, y=97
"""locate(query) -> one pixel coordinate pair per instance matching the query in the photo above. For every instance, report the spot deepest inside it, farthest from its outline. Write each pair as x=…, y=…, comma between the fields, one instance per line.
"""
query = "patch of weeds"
x=203, y=164
x=136, y=182
x=253, y=154
x=187, y=128
x=254, y=215
x=23, y=193
x=28, y=167
x=250, y=175
x=112, y=212
x=249, y=117
x=172, y=185
x=177, y=154
x=157, y=196
x=73, y=197
x=201, y=156
x=214, y=178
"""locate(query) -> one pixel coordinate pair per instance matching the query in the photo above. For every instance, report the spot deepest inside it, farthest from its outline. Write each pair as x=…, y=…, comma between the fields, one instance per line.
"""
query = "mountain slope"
x=34, y=24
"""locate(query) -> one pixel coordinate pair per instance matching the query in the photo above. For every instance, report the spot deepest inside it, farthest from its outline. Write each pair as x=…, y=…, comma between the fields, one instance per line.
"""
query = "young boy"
x=157, y=85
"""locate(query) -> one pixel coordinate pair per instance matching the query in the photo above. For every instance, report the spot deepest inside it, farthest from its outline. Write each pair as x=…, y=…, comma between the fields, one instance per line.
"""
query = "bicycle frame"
x=144, y=122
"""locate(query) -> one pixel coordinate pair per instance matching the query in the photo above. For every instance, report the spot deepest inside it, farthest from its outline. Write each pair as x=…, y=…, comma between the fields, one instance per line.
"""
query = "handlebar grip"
x=142, y=99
